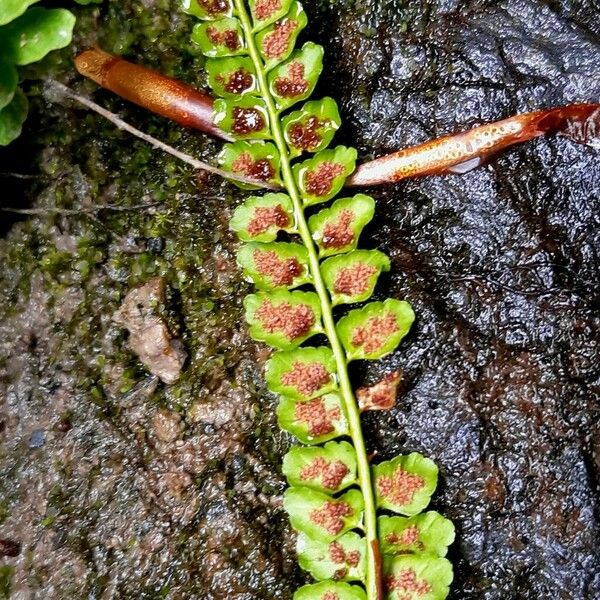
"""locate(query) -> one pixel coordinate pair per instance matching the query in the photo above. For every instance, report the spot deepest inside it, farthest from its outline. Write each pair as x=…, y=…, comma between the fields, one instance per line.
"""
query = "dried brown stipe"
x=375, y=549
x=149, y=89
x=463, y=152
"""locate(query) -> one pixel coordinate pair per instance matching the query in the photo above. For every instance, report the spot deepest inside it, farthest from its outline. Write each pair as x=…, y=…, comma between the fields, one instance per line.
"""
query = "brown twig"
x=19, y=175
x=74, y=211
x=190, y=160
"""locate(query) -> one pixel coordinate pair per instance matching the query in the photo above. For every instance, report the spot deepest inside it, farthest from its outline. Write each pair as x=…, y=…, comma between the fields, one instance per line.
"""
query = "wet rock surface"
x=500, y=376
x=116, y=486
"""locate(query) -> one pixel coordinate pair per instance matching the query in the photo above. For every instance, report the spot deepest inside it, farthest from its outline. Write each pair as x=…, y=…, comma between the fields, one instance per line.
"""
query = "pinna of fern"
x=338, y=502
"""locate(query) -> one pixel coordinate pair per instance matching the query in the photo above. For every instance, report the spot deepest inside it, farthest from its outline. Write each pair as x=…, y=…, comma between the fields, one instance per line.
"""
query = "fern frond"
x=334, y=493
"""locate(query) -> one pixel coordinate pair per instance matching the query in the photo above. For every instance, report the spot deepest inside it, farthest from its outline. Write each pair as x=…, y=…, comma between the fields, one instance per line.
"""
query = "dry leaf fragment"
x=382, y=395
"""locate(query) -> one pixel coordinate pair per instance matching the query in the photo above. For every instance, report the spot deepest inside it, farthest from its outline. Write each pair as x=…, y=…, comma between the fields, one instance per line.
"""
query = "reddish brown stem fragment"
x=149, y=89
x=463, y=152
x=379, y=563
x=457, y=154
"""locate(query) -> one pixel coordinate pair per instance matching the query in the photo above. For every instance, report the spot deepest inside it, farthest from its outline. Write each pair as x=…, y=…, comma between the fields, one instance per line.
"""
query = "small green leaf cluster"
x=26, y=36
x=303, y=265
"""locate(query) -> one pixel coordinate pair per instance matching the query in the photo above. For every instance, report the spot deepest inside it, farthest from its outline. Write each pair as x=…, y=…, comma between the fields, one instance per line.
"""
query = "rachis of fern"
x=343, y=508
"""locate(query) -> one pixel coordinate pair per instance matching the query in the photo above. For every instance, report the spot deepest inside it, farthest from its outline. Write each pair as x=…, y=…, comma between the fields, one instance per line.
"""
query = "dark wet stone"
x=37, y=438
x=155, y=245
x=238, y=464
x=64, y=425
x=9, y=548
x=209, y=428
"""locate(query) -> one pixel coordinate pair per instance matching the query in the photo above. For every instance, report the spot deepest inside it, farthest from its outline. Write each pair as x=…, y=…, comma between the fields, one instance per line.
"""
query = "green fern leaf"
x=329, y=469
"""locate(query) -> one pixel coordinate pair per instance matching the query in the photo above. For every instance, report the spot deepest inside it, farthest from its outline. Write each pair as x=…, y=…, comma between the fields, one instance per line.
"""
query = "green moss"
x=6, y=574
x=3, y=512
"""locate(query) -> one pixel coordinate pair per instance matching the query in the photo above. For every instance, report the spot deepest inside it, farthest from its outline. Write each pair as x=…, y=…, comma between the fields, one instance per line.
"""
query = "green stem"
x=353, y=413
